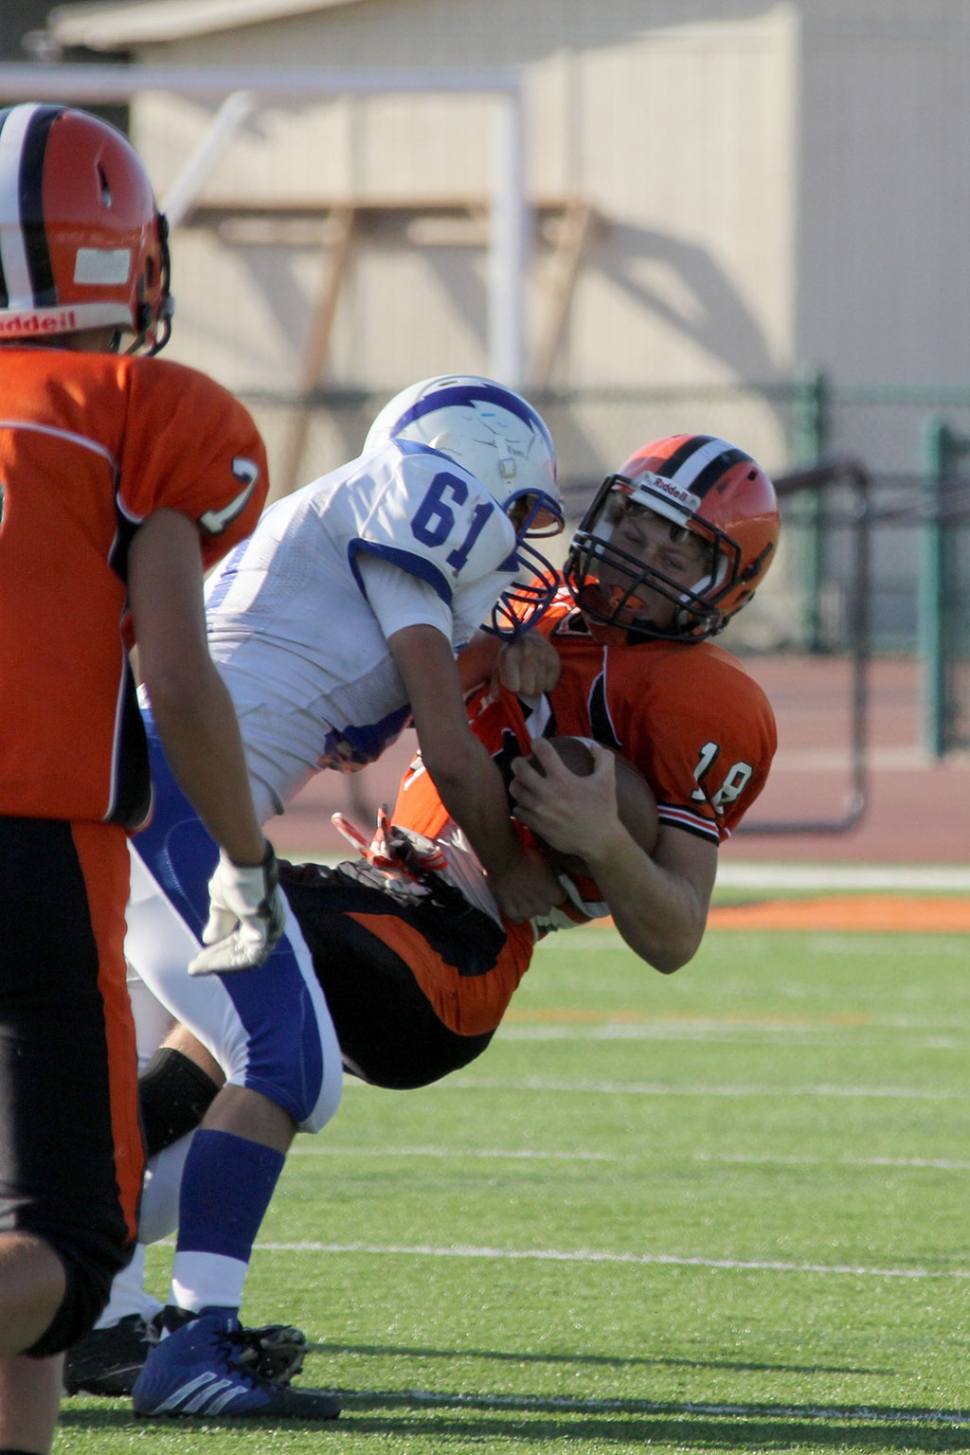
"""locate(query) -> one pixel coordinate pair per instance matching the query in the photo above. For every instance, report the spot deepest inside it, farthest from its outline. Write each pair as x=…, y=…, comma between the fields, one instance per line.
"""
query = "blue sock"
x=226, y=1188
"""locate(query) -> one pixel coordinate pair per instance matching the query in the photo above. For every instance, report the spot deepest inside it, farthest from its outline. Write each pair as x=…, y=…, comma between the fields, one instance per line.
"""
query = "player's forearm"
x=477, y=661
x=193, y=709
x=471, y=789
x=200, y=735
x=520, y=880
x=467, y=780
x=660, y=915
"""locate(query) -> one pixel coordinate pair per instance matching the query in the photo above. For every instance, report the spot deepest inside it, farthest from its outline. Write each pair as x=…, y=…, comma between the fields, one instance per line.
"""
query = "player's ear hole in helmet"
x=496, y=435
x=703, y=495
x=82, y=244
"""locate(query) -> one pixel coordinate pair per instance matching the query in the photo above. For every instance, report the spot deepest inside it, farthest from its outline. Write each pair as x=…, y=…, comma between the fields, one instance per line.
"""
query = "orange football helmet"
x=704, y=486
x=82, y=243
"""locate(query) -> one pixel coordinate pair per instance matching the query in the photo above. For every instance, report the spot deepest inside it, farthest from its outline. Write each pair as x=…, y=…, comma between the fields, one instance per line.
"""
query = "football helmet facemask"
x=707, y=489
x=498, y=437
x=82, y=244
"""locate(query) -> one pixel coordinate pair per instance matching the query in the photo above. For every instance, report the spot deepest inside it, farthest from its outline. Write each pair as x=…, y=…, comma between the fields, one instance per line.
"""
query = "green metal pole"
x=811, y=439
x=937, y=454
x=812, y=422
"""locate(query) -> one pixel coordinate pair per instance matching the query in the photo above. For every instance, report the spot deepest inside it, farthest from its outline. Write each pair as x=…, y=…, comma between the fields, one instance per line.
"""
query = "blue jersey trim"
x=418, y=447
x=409, y=561
x=230, y=570
x=349, y=748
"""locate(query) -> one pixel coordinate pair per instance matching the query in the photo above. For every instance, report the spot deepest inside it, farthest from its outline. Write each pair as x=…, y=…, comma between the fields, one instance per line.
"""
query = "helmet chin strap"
x=697, y=589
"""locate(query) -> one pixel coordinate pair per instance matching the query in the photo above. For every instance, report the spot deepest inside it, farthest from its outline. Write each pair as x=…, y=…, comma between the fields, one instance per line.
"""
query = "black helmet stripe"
x=25, y=262
x=32, y=207
x=700, y=462
x=711, y=473
x=4, y=297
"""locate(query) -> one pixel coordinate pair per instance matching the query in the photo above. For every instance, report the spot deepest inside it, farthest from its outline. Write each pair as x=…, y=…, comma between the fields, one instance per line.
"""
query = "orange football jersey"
x=688, y=716
x=699, y=729
x=90, y=445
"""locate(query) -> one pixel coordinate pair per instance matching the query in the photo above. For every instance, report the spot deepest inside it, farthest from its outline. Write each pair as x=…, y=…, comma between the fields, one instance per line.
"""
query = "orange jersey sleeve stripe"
x=102, y=851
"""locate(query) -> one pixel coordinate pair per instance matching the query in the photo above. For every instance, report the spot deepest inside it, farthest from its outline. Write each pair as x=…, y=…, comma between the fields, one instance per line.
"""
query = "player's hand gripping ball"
x=635, y=802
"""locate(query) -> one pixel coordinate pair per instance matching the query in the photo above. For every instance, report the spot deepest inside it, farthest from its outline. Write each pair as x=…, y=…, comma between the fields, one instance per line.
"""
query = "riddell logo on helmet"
x=21, y=323
x=667, y=487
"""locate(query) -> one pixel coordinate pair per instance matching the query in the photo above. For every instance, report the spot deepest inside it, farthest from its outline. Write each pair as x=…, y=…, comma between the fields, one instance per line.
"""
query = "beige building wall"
x=883, y=291
x=678, y=122
x=885, y=204
x=782, y=184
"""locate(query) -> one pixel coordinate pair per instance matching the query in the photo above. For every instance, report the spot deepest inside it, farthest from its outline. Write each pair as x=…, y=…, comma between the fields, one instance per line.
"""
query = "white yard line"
x=594, y=1255
x=933, y=1164
x=642, y=1088
x=562, y=1403
x=450, y=1152
x=725, y=1035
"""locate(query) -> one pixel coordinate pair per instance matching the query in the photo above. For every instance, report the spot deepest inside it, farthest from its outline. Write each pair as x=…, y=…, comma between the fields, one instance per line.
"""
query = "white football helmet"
x=498, y=437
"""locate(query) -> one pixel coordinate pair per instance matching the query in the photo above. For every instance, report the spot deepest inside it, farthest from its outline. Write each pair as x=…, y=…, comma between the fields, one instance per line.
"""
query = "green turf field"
x=726, y=1211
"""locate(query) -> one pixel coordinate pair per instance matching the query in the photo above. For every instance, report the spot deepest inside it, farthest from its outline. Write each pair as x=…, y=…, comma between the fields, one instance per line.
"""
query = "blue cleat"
x=109, y=1361
x=206, y=1368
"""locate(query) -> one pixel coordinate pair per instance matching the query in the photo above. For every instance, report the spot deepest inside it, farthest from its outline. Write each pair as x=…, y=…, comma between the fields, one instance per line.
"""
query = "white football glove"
x=246, y=916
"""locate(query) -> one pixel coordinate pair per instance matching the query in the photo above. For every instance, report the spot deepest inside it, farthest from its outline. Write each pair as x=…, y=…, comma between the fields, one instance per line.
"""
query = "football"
x=634, y=796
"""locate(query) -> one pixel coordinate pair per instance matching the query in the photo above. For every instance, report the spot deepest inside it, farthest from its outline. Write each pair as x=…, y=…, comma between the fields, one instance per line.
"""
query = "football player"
x=415, y=959
x=334, y=623
x=121, y=478
x=668, y=551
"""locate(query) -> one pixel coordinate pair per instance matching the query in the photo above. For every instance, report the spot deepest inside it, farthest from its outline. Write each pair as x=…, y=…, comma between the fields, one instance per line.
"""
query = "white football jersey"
x=289, y=625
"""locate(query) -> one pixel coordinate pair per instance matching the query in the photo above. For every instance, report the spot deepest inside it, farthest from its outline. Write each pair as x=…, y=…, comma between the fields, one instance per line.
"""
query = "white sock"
x=160, y=1194
x=128, y=1295
x=207, y=1280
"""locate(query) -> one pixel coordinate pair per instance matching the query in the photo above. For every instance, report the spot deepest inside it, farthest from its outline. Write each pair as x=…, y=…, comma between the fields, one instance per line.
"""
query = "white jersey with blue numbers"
x=288, y=620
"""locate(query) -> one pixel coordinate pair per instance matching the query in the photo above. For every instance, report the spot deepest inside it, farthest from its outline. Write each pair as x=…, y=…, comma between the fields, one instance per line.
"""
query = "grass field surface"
x=724, y=1211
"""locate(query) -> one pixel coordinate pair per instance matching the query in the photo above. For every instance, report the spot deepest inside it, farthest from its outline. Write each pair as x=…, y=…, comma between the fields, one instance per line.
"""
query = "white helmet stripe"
x=696, y=464
x=13, y=254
